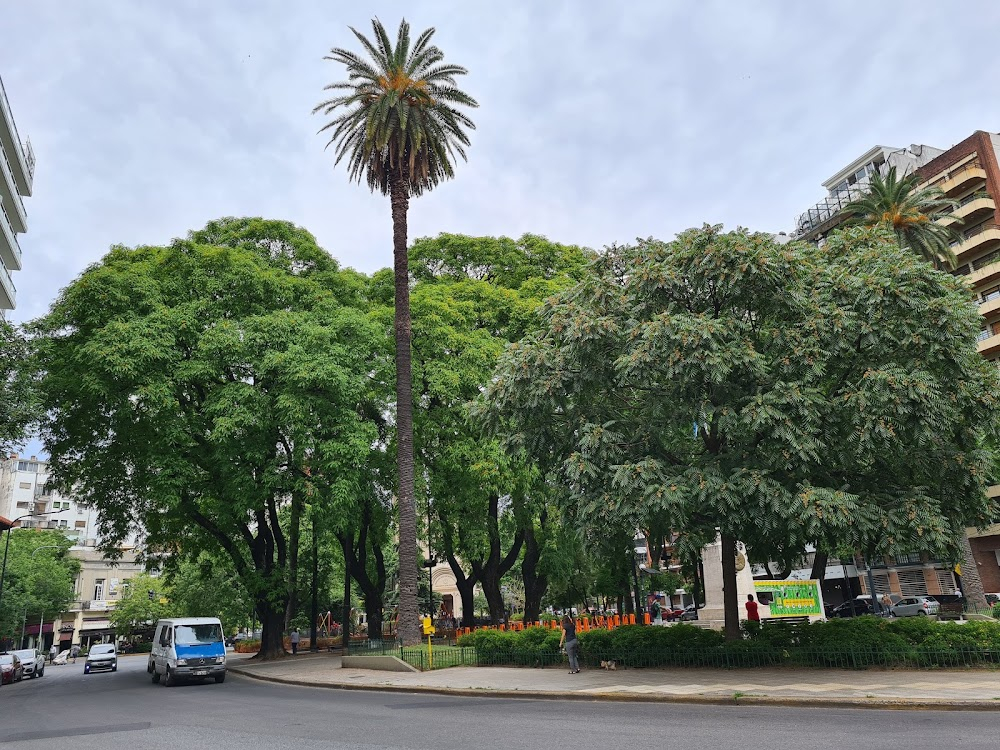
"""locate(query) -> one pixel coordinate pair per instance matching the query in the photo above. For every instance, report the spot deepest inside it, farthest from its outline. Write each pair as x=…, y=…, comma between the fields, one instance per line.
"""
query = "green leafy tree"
x=187, y=386
x=399, y=128
x=144, y=601
x=912, y=213
x=208, y=586
x=38, y=581
x=473, y=297
x=18, y=405
x=830, y=396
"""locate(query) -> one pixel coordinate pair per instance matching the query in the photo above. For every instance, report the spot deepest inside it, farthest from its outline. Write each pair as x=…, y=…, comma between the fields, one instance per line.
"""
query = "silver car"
x=32, y=662
x=915, y=606
x=101, y=656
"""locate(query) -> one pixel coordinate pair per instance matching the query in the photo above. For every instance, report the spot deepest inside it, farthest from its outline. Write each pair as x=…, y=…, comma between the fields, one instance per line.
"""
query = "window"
x=81, y=524
x=99, y=589
x=983, y=334
x=25, y=485
x=991, y=294
x=196, y=635
x=63, y=524
x=946, y=580
x=995, y=327
x=22, y=504
x=912, y=583
x=27, y=466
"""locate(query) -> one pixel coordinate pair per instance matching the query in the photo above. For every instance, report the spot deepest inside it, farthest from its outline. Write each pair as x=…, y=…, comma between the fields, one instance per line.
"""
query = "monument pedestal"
x=713, y=614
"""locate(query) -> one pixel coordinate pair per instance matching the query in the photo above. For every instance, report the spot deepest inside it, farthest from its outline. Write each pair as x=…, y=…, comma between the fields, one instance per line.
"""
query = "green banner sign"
x=792, y=598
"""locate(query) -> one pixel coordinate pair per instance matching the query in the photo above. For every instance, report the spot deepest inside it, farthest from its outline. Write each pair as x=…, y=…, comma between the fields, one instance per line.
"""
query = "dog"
x=611, y=666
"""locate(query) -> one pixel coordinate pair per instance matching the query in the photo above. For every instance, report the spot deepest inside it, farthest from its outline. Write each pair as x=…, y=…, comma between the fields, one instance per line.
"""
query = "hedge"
x=844, y=643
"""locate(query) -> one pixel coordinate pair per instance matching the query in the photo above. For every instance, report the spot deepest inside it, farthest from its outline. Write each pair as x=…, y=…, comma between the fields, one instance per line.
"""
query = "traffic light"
x=152, y=594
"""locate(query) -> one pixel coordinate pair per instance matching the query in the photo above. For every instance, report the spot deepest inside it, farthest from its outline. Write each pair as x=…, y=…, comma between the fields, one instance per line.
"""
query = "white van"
x=188, y=648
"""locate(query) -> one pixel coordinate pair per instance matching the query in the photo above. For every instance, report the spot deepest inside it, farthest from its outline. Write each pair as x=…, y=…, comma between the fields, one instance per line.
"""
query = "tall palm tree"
x=912, y=213
x=398, y=127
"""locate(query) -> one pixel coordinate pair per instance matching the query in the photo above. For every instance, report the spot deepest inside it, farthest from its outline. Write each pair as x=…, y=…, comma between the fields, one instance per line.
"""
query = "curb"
x=881, y=704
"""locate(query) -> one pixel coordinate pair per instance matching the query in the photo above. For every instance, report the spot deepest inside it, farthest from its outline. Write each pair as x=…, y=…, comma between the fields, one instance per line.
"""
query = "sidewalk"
x=939, y=689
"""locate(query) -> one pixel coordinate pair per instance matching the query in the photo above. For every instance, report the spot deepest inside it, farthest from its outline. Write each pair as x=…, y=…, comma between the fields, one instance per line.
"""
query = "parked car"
x=992, y=599
x=101, y=656
x=912, y=606
x=32, y=662
x=11, y=670
x=853, y=608
x=690, y=614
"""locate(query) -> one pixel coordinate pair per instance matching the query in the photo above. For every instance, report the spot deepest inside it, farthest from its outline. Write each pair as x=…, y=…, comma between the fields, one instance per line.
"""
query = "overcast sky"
x=596, y=125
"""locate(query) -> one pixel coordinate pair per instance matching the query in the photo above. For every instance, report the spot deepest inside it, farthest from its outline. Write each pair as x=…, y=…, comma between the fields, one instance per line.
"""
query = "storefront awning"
x=33, y=629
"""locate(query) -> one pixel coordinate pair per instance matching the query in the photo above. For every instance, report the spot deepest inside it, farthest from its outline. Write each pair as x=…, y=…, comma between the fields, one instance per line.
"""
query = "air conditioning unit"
x=85, y=604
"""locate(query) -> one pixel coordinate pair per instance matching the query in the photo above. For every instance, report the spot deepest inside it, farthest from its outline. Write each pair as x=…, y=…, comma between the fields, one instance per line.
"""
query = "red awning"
x=5, y=523
x=33, y=629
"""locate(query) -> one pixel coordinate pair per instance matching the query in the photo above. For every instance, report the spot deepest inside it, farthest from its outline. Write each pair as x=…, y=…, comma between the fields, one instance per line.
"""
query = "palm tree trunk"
x=409, y=623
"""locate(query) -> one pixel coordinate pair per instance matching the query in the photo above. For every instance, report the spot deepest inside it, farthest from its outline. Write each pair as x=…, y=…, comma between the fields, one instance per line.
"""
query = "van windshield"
x=197, y=635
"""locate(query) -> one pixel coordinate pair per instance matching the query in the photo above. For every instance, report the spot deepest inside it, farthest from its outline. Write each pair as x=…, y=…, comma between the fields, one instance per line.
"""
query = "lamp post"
x=3, y=568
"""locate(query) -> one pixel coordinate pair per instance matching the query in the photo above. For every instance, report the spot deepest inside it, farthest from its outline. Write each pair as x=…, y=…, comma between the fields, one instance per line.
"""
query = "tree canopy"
x=143, y=602
x=187, y=387
x=18, y=405
x=776, y=394
x=39, y=580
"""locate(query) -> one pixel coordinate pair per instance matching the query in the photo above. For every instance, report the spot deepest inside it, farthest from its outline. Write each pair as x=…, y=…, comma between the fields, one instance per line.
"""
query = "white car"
x=101, y=656
x=32, y=662
x=915, y=606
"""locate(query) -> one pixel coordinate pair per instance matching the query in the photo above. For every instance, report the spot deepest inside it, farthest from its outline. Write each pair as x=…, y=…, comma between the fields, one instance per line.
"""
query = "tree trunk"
x=272, y=620
x=466, y=585
x=535, y=583
x=409, y=615
x=490, y=571
x=314, y=608
x=346, y=609
x=972, y=584
x=820, y=559
x=293, y=558
x=731, y=604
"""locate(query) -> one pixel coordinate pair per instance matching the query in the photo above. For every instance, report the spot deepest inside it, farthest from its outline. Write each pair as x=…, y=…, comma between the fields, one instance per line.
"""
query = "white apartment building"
x=17, y=170
x=24, y=496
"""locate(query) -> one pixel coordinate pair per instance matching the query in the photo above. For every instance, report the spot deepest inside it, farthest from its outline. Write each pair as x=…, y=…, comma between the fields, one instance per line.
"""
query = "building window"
x=946, y=580
x=22, y=504
x=991, y=294
x=99, y=589
x=25, y=485
x=912, y=583
x=27, y=466
x=63, y=524
x=81, y=524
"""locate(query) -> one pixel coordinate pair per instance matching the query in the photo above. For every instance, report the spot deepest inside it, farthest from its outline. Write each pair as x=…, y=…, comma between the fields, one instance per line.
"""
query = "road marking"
x=75, y=732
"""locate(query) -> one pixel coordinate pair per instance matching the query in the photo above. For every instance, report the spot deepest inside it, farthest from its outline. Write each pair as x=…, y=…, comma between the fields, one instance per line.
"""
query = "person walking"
x=752, y=614
x=572, y=644
x=53, y=652
x=295, y=641
x=74, y=652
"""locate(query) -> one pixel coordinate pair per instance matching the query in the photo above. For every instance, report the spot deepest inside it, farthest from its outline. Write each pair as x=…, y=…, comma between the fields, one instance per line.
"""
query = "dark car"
x=690, y=613
x=11, y=670
x=853, y=608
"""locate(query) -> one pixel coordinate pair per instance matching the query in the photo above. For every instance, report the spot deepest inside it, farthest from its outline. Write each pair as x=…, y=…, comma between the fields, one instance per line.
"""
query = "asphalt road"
x=104, y=711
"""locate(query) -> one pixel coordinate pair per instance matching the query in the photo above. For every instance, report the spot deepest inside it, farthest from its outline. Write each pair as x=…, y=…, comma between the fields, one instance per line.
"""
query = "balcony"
x=972, y=208
x=959, y=176
x=10, y=250
x=21, y=157
x=9, y=196
x=8, y=293
x=989, y=306
x=975, y=238
x=989, y=346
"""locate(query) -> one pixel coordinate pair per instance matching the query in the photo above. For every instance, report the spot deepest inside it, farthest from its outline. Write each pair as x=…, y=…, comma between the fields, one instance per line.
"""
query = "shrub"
x=247, y=647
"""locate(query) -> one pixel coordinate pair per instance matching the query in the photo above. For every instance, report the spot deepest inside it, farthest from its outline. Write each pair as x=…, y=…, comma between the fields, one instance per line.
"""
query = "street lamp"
x=3, y=568
x=24, y=622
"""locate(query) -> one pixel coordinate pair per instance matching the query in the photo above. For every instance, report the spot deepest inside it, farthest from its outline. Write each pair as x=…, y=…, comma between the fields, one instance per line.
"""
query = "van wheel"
x=220, y=679
x=168, y=679
x=151, y=667
x=156, y=677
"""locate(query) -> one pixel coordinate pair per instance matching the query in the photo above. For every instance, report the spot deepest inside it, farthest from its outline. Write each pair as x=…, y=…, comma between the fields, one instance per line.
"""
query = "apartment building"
x=17, y=165
x=28, y=501
x=25, y=494
x=967, y=172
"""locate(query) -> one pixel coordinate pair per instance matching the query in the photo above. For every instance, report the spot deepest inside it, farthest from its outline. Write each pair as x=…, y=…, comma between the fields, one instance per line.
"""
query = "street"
x=108, y=711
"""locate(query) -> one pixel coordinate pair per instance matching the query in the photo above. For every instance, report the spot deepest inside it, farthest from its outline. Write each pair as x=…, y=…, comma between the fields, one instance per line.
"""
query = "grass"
x=443, y=656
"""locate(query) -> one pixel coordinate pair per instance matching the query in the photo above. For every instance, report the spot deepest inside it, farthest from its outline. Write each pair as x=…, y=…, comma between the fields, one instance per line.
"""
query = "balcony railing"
x=974, y=164
x=971, y=232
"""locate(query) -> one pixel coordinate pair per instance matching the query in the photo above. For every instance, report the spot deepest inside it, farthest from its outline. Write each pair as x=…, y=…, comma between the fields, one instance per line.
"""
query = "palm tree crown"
x=912, y=213
x=399, y=121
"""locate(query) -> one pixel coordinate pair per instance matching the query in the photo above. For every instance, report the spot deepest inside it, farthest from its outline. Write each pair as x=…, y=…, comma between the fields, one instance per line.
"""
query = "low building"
x=986, y=552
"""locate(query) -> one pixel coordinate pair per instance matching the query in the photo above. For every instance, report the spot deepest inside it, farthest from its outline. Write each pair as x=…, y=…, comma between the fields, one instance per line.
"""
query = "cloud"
x=598, y=123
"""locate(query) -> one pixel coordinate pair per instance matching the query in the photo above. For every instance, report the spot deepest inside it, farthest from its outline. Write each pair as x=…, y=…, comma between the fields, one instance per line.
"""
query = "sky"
x=598, y=122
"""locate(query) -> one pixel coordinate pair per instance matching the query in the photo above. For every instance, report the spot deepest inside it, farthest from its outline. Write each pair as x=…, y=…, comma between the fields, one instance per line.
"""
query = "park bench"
x=950, y=610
